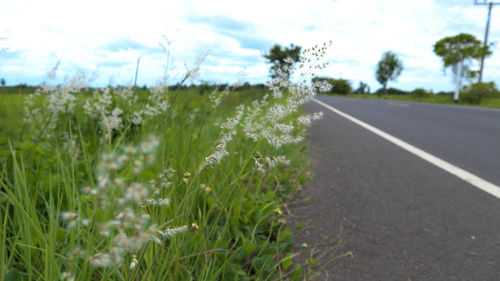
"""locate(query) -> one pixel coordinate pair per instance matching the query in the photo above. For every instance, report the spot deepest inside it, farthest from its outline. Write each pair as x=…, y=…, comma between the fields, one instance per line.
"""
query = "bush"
x=391, y=91
x=476, y=92
x=442, y=93
x=362, y=89
x=420, y=93
x=339, y=86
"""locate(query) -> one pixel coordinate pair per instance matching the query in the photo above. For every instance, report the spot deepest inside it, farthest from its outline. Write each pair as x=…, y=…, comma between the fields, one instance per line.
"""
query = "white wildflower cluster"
x=229, y=128
x=124, y=220
x=70, y=218
x=170, y=232
x=193, y=72
x=252, y=123
x=270, y=120
x=216, y=96
x=275, y=160
x=269, y=117
x=50, y=104
x=159, y=185
x=67, y=276
x=70, y=146
x=111, y=109
x=193, y=114
x=306, y=120
x=270, y=162
x=272, y=124
x=121, y=106
x=322, y=86
x=134, y=262
x=260, y=166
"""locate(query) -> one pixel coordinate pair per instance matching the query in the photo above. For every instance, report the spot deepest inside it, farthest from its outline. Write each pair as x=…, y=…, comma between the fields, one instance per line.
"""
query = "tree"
x=389, y=68
x=362, y=89
x=2, y=81
x=458, y=52
x=281, y=60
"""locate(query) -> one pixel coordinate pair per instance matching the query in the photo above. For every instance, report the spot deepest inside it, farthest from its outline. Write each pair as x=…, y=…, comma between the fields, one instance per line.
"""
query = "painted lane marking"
x=464, y=175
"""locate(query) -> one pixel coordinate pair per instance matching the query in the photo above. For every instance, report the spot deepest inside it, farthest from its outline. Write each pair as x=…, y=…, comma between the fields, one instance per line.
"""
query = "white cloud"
x=110, y=35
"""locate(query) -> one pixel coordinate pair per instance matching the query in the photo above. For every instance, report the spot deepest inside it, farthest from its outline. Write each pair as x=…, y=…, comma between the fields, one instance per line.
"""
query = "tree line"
x=457, y=52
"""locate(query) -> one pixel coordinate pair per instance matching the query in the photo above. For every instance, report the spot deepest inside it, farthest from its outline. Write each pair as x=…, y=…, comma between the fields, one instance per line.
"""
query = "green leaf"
x=297, y=273
x=248, y=247
x=287, y=261
x=284, y=234
x=13, y=275
x=262, y=263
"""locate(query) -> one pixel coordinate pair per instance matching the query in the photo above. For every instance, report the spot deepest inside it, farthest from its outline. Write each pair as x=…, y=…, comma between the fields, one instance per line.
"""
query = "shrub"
x=391, y=91
x=362, y=89
x=420, y=93
x=476, y=92
x=339, y=86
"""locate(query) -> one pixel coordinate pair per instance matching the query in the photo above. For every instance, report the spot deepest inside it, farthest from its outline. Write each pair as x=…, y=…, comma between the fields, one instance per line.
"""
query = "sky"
x=107, y=38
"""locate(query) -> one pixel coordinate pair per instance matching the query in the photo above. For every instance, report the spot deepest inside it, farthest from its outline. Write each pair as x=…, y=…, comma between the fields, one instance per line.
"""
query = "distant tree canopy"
x=420, y=93
x=461, y=48
x=391, y=91
x=363, y=88
x=2, y=81
x=277, y=56
x=339, y=86
x=388, y=68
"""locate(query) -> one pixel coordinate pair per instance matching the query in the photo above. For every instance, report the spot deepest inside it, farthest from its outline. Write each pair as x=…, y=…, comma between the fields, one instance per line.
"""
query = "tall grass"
x=194, y=190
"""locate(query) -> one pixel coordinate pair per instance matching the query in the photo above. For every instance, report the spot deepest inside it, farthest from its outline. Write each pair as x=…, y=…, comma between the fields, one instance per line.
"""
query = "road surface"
x=402, y=217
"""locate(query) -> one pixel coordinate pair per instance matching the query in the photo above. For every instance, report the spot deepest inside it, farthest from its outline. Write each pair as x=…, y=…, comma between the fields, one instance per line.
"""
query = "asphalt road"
x=402, y=217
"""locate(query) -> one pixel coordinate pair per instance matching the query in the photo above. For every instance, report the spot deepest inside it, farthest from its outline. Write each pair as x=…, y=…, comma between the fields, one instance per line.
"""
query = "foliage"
x=190, y=193
x=363, y=88
x=388, y=68
x=444, y=93
x=483, y=96
x=338, y=86
x=2, y=82
x=477, y=92
x=420, y=93
x=391, y=91
x=460, y=48
x=282, y=59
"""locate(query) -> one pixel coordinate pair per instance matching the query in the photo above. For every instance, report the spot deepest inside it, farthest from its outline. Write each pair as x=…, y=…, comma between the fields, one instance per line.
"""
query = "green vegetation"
x=458, y=52
x=363, y=88
x=149, y=184
x=338, y=86
x=481, y=93
x=388, y=68
x=476, y=94
x=461, y=49
x=282, y=60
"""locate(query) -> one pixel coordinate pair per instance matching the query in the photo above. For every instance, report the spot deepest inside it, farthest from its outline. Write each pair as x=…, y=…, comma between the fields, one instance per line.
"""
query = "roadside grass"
x=10, y=112
x=227, y=217
x=435, y=99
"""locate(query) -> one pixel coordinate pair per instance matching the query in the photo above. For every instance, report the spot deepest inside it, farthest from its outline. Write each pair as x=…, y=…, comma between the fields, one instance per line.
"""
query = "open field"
x=130, y=184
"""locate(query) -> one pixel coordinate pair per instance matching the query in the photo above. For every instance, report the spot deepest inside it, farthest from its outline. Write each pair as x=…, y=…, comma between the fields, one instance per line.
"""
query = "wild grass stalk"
x=128, y=184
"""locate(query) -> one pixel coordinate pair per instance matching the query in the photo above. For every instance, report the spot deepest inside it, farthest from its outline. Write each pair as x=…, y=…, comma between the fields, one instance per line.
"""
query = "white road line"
x=450, y=168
